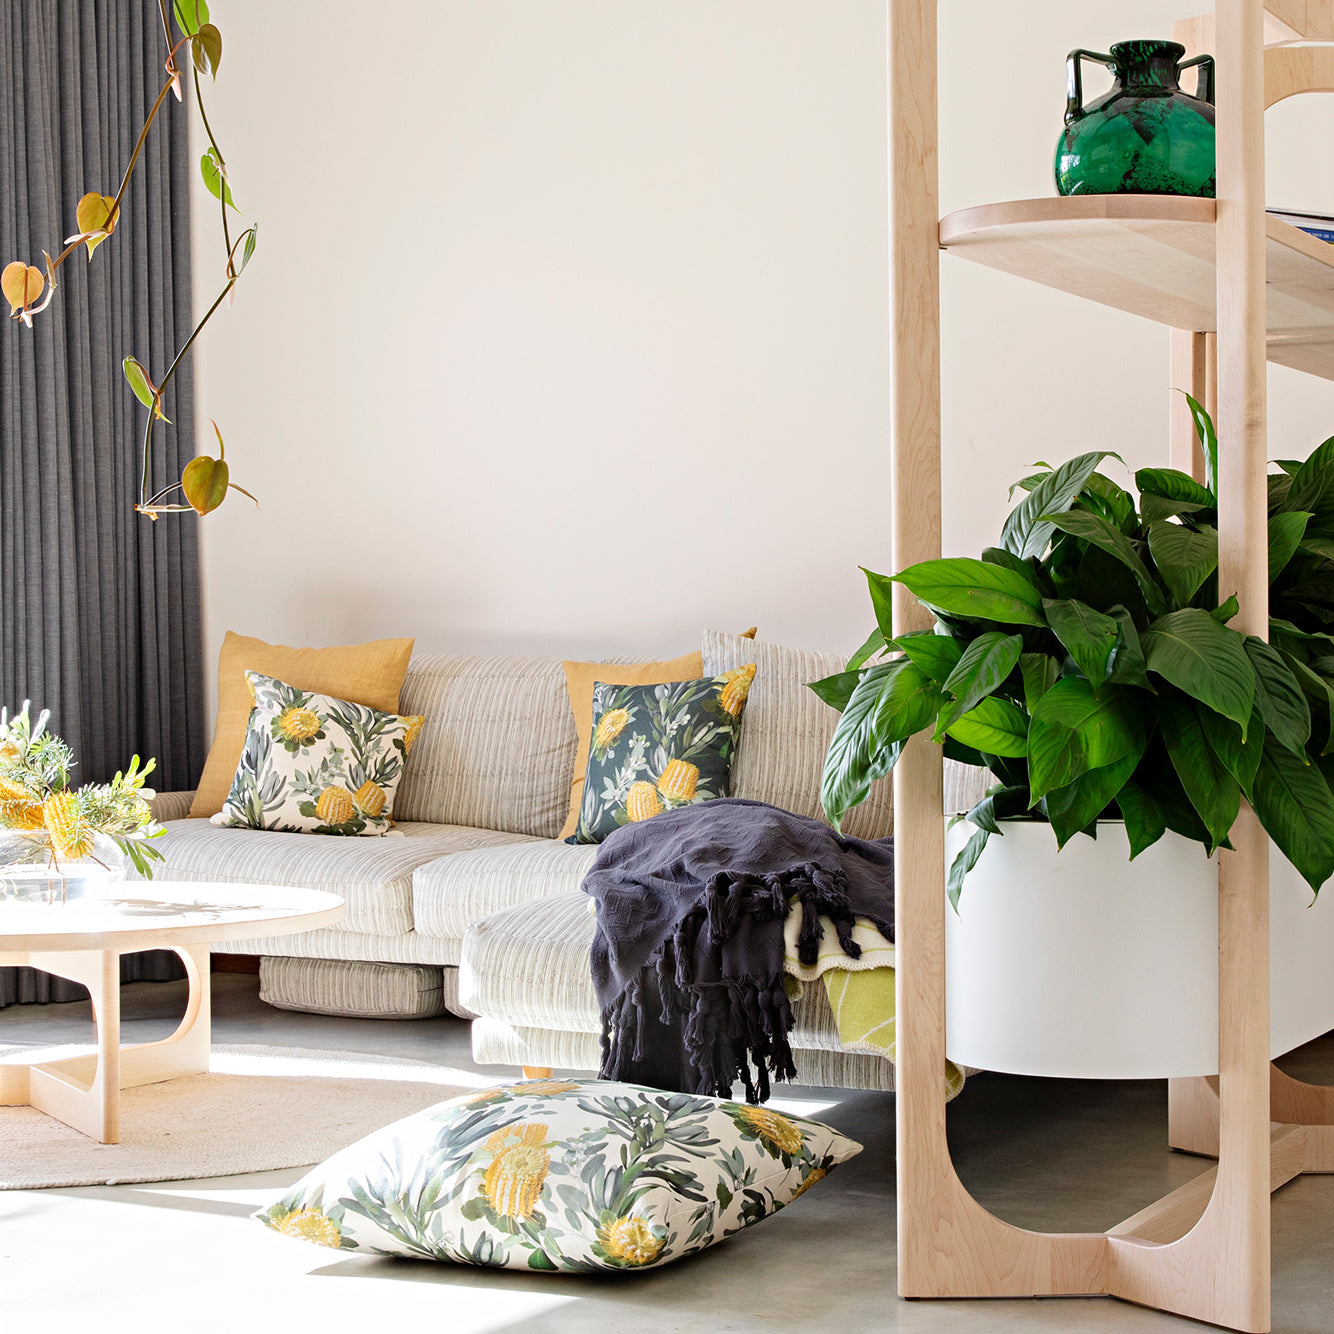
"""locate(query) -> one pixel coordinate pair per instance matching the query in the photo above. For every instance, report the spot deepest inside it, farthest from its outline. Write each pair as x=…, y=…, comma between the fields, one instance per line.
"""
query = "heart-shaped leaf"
x=206, y=50
x=214, y=180
x=204, y=482
x=1185, y=559
x=836, y=690
x=994, y=727
x=1089, y=636
x=144, y=389
x=975, y=589
x=93, y=217
x=22, y=286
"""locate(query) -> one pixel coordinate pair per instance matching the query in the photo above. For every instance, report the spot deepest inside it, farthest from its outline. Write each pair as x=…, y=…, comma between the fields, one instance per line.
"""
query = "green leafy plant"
x=57, y=821
x=1088, y=663
x=205, y=481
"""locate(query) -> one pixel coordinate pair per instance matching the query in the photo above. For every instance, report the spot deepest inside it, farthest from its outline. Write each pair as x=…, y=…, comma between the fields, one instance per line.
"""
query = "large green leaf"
x=1319, y=694
x=836, y=690
x=976, y=590
x=1145, y=821
x=891, y=702
x=1176, y=492
x=936, y=655
x=1000, y=803
x=1023, y=568
x=882, y=600
x=1205, y=660
x=1089, y=636
x=985, y=663
x=1185, y=559
x=1114, y=503
x=1090, y=528
x=964, y=863
x=994, y=727
x=1212, y=789
x=1204, y=429
x=1128, y=667
x=1293, y=803
x=1039, y=672
x=1279, y=696
x=1073, y=730
x=1240, y=757
x=1313, y=483
x=1028, y=529
x=1074, y=808
x=1285, y=534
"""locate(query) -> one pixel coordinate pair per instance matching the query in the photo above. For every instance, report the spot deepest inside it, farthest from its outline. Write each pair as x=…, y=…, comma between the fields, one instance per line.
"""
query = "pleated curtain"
x=99, y=606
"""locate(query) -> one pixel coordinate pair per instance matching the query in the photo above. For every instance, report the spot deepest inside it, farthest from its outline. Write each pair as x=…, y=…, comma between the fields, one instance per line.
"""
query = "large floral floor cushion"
x=561, y=1175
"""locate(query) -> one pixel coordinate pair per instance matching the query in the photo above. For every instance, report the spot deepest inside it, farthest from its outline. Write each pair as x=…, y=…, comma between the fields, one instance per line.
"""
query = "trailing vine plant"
x=204, y=483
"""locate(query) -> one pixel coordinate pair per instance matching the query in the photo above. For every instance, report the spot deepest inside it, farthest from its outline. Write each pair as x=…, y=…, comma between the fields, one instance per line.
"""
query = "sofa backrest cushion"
x=498, y=746
x=787, y=729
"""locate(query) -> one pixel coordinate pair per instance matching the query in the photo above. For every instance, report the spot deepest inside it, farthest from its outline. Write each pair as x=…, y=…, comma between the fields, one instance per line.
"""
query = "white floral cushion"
x=313, y=764
x=560, y=1174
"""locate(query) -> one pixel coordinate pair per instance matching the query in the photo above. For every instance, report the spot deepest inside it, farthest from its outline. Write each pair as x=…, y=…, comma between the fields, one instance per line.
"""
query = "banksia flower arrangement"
x=59, y=823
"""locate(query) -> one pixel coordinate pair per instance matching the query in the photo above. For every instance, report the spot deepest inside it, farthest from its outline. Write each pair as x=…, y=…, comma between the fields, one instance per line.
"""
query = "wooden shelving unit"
x=1238, y=289
x=1155, y=256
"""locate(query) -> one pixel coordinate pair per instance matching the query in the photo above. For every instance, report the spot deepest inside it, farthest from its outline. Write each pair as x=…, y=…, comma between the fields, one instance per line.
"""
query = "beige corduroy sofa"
x=485, y=793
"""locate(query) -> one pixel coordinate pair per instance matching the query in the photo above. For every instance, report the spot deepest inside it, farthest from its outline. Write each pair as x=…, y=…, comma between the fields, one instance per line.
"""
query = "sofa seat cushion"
x=528, y=966
x=331, y=943
x=449, y=894
x=373, y=876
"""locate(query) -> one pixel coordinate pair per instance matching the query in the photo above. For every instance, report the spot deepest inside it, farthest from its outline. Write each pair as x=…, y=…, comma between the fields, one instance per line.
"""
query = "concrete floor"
x=1042, y=1153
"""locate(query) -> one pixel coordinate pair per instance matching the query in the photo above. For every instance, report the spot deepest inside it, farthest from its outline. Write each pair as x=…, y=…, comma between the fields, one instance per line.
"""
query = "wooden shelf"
x=1154, y=255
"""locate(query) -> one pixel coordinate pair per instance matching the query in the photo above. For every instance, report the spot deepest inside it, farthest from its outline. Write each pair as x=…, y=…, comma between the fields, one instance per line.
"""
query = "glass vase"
x=31, y=873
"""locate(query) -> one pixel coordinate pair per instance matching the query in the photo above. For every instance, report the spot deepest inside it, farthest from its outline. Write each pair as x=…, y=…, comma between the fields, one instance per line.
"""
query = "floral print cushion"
x=572, y=1175
x=656, y=747
x=313, y=764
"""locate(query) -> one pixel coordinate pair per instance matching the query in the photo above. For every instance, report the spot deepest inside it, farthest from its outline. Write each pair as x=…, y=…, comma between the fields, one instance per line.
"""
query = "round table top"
x=148, y=914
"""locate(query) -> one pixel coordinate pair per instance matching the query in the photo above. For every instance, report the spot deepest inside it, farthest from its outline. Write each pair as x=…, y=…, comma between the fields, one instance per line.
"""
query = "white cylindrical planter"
x=1084, y=964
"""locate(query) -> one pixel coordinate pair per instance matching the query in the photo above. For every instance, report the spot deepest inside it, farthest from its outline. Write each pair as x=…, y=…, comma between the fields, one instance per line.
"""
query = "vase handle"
x=1204, y=89
x=1074, y=82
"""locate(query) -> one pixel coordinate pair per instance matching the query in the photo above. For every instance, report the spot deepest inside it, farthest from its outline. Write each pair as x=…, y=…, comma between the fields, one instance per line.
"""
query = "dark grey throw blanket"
x=687, y=957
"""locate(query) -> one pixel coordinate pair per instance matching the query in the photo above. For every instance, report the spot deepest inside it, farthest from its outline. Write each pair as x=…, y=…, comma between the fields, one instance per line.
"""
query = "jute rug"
x=258, y=1108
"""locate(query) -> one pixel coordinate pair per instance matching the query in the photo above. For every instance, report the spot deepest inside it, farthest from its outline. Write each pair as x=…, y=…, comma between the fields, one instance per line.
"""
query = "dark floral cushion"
x=656, y=747
x=313, y=764
x=570, y=1175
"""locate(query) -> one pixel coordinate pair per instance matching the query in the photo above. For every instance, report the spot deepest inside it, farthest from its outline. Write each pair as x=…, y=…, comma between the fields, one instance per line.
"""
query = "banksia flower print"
x=781, y=1136
x=739, y=679
x=679, y=781
x=641, y=802
x=575, y=1176
x=657, y=747
x=313, y=764
x=70, y=836
x=631, y=1241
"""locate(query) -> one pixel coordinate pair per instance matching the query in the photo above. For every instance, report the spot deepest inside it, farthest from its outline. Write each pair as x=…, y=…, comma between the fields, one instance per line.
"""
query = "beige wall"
x=567, y=328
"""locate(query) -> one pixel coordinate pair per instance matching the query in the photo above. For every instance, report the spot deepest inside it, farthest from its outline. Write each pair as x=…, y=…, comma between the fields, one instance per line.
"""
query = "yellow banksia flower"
x=610, y=726
x=22, y=815
x=370, y=797
x=642, y=802
x=771, y=1127
x=70, y=836
x=298, y=724
x=543, y=1088
x=739, y=679
x=13, y=791
x=9, y=752
x=513, y=1183
x=679, y=780
x=415, y=725
x=630, y=1240
x=815, y=1175
x=335, y=805
x=311, y=1225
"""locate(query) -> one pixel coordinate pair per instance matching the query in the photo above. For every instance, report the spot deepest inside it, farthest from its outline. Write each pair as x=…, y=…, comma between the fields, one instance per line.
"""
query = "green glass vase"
x=1146, y=136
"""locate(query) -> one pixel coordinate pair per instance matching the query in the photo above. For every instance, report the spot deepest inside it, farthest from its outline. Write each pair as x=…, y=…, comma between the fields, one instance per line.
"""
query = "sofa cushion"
x=330, y=942
x=358, y=990
x=373, y=876
x=528, y=966
x=451, y=893
x=498, y=746
x=781, y=750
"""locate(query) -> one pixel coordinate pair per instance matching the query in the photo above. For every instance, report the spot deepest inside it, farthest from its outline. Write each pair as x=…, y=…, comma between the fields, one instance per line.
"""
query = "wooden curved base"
x=84, y=1091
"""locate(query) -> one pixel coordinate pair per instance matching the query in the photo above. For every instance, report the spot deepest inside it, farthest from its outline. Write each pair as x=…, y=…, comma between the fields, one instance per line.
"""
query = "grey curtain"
x=99, y=607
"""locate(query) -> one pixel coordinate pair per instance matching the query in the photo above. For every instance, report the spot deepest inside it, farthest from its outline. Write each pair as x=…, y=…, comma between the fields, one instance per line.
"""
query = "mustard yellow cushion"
x=369, y=674
x=580, y=678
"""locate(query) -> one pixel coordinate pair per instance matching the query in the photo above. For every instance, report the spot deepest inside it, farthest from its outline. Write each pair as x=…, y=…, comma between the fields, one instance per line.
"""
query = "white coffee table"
x=83, y=941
